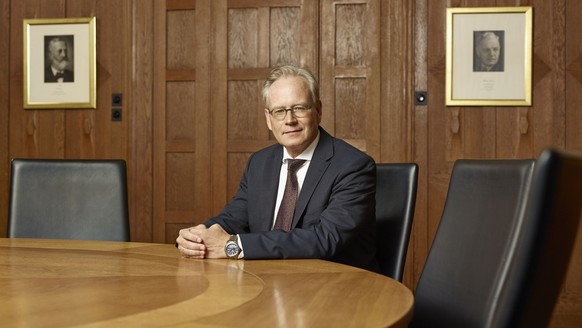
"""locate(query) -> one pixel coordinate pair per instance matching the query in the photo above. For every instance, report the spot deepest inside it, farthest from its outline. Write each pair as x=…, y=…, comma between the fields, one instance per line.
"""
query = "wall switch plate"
x=116, y=99
x=116, y=114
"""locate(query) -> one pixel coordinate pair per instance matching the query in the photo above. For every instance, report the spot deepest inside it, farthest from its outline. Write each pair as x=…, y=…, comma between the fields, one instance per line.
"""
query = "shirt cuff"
x=241, y=255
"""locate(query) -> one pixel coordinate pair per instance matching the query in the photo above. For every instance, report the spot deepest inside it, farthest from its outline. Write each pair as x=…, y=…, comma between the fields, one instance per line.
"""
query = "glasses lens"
x=279, y=113
x=299, y=111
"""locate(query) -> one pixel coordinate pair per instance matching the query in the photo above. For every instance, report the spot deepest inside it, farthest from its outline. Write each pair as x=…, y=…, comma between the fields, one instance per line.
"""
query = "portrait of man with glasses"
x=311, y=195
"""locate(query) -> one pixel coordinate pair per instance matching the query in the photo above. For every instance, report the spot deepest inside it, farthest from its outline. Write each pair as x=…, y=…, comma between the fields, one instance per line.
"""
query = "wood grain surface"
x=63, y=283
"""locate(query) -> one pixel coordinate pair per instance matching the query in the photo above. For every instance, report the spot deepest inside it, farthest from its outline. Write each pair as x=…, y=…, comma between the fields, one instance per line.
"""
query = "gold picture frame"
x=489, y=56
x=59, y=63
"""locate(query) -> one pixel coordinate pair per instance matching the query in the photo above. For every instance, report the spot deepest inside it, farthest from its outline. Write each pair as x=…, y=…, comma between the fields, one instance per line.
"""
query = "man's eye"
x=279, y=111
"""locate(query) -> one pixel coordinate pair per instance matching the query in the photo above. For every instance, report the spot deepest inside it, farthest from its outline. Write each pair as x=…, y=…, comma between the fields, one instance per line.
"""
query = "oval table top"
x=63, y=283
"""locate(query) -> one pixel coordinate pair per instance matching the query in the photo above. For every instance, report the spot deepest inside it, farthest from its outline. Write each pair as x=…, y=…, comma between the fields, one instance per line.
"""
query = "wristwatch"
x=232, y=249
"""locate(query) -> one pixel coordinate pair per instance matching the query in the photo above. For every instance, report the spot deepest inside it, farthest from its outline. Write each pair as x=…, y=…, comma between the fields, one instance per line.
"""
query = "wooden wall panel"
x=180, y=116
x=439, y=129
x=92, y=133
x=284, y=43
x=397, y=83
x=181, y=40
x=236, y=161
x=218, y=105
x=243, y=37
x=350, y=35
x=139, y=109
x=182, y=141
x=548, y=101
x=349, y=95
x=417, y=26
x=181, y=179
x=569, y=309
x=573, y=76
x=4, y=117
x=350, y=62
x=246, y=120
x=33, y=133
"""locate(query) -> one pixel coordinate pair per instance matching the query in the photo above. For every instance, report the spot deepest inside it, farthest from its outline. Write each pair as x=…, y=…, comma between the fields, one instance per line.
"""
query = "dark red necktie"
x=287, y=208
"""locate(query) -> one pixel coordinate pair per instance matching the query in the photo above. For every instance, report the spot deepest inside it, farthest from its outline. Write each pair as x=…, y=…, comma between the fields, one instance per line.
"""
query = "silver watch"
x=232, y=249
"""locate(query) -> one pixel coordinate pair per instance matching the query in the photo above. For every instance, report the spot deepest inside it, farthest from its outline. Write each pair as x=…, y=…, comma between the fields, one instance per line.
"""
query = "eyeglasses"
x=297, y=111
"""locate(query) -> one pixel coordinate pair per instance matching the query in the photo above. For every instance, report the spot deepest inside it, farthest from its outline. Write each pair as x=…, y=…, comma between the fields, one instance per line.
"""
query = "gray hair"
x=487, y=35
x=289, y=70
x=55, y=40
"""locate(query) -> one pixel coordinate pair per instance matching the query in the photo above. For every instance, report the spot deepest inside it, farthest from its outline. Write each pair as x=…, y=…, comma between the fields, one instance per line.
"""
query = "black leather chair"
x=395, y=199
x=503, y=246
x=535, y=274
x=68, y=199
x=483, y=206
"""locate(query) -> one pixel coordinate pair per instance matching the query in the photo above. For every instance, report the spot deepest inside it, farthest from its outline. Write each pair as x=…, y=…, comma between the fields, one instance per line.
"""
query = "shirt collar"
x=307, y=154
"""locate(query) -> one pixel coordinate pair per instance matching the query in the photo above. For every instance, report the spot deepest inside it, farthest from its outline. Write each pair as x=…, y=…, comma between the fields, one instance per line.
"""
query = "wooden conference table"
x=64, y=283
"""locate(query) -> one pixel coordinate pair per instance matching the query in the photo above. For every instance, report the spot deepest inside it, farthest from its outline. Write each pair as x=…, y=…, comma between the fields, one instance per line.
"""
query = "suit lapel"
x=319, y=163
x=270, y=185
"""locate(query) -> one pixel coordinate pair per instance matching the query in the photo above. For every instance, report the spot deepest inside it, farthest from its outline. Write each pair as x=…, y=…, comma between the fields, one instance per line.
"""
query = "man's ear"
x=268, y=119
x=319, y=109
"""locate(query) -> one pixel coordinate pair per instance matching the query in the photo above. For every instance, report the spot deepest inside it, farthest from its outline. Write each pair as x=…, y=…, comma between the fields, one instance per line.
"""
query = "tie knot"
x=294, y=164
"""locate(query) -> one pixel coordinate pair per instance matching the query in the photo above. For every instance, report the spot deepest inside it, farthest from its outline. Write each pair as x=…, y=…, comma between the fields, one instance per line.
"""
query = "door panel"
x=209, y=112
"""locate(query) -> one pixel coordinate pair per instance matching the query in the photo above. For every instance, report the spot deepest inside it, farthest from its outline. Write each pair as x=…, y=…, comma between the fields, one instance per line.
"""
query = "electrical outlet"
x=116, y=114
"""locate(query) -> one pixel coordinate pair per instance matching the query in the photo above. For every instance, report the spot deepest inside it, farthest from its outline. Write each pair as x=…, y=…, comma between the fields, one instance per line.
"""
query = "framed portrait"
x=489, y=56
x=59, y=63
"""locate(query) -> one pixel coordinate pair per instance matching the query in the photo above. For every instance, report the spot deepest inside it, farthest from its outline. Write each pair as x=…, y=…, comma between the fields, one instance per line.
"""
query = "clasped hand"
x=200, y=242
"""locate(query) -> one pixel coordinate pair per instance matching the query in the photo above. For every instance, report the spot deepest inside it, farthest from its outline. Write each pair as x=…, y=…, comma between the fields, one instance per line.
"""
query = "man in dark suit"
x=59, y=68
x=334, y=217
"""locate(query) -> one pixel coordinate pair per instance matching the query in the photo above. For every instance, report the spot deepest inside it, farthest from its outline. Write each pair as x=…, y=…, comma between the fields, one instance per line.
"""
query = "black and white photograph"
x=59, y=64
x=488, y=51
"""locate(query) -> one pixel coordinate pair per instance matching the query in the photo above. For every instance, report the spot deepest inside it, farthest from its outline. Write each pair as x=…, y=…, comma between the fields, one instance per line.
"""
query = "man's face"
x=294, y=133
x=58, y=55
x=488, y=51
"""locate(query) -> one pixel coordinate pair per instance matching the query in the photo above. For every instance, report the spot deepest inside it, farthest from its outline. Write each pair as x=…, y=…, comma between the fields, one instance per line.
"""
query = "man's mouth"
x=292, y=132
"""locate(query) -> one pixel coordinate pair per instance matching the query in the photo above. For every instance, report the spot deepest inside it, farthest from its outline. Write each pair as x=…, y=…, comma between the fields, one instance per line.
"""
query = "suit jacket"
x=68, y=76
x=335, y=212
x=496, y=68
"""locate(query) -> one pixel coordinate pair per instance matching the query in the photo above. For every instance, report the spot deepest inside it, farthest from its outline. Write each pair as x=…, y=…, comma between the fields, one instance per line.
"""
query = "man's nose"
x=290, y=117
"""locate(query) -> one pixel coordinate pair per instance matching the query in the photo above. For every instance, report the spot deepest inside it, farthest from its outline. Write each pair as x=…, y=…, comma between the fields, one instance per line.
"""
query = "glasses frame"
x=290, y=109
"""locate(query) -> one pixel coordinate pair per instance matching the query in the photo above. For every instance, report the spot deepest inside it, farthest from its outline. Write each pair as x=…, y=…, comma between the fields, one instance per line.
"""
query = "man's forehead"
x=59, y=44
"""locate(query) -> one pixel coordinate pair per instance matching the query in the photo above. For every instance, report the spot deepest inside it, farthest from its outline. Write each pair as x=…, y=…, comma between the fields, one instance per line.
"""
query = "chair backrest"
x=395, y=199
x=484, y=203
x=543, y=248
x=68, y=199
x=491, y=268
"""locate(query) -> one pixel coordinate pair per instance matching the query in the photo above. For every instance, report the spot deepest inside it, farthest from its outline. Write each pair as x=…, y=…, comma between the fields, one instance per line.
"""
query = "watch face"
x=231, y=249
